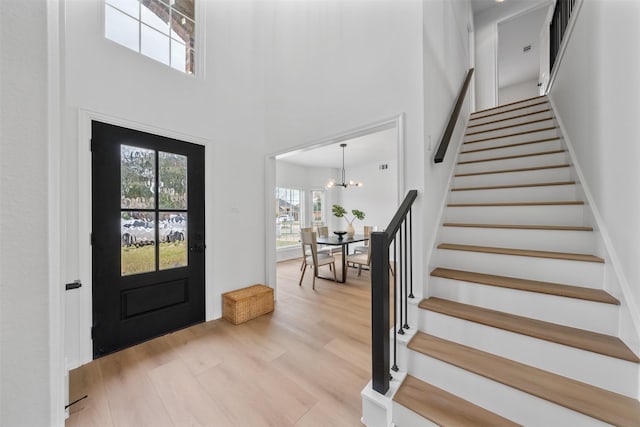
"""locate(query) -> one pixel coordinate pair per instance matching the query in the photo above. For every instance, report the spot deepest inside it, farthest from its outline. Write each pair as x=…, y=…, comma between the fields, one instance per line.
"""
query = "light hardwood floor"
x=303, y=365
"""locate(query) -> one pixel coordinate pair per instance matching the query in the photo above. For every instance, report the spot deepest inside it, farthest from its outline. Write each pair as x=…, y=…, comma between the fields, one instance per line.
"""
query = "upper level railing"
x=559, y=22
x=453, y=119
x=400, y=266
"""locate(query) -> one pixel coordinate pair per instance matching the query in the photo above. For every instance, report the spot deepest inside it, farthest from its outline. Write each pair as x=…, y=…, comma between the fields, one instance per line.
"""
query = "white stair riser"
x=551, y=193
x=588, y=315
x=505, y=111
x=577, y=273
x=536, y=176
x=601, y=371
x=537, y=147
x=519, y=162
x=498, y=131
x=510, y=403
x=510, y=122
x=497, y=142
x=572, y=215
x=403, y=416
x=539, y=240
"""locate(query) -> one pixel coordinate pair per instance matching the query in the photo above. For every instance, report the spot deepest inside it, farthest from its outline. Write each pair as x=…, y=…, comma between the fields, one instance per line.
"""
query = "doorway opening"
x=298, y=179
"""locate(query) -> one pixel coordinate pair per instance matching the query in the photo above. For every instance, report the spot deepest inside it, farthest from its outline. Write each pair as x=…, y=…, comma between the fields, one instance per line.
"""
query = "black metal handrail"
x=559, y=23
x=382, y=265
x=453, y=119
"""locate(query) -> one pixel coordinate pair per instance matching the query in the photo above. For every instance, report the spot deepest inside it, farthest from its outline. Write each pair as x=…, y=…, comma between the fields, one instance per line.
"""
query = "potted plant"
x=341, y=212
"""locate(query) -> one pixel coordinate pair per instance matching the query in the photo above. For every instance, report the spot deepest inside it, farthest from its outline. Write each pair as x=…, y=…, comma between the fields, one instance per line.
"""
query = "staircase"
x=517, y=329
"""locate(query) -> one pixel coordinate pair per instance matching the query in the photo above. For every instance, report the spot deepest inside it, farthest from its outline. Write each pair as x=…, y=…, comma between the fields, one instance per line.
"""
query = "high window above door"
x=160, y=29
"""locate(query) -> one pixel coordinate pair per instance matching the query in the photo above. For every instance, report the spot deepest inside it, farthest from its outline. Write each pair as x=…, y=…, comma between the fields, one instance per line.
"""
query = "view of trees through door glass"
x=288, y=208
x=153, y=209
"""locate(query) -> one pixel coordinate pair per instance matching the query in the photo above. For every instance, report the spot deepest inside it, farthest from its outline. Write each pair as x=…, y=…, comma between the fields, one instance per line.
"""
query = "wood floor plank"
x=503, y=187
x=303, y=364
x=518, y=144
x=444, y=408
x=592, y=401
x=512, y=134
x=519, y=227
x=522, y=252
x=569, y=291
x=518, y=156
x=573, y=337
x=535, y=168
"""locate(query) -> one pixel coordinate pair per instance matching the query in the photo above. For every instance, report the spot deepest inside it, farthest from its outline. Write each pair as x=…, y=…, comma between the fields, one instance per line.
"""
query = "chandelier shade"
x=333, y=183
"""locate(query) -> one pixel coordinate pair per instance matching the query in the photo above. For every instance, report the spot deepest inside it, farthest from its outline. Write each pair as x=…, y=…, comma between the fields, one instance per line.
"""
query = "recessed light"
x=499, y=1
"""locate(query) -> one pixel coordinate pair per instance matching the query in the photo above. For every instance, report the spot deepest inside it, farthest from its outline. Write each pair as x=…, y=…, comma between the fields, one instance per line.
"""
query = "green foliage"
x=340, y=212
x=358, y=214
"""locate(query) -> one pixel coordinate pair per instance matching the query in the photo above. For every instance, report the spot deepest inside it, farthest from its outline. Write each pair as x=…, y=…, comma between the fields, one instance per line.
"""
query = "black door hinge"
x=91, y=144
x=93, y=329
x=91, y=239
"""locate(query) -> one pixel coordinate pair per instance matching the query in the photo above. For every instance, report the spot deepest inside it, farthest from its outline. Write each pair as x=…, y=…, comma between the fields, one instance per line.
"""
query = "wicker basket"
x=247, y=303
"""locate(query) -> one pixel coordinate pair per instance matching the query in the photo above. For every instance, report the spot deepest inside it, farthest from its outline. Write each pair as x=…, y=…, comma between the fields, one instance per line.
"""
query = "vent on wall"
x=383, y=166
x=526, y=49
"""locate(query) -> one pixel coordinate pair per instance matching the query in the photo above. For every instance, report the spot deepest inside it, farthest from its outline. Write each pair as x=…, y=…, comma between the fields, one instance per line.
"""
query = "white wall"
x=518, y=91
x=486, y=38
x=24, y=280
x=377, y=198
x=445, y=65
x=596, y=96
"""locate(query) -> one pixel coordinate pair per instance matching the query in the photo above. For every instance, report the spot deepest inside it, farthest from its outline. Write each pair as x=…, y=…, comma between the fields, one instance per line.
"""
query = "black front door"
x=147, y=236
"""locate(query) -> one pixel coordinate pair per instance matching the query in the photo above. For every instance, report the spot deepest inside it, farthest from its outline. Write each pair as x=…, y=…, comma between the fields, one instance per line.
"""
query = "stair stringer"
x=615, y=281
x=431, y=240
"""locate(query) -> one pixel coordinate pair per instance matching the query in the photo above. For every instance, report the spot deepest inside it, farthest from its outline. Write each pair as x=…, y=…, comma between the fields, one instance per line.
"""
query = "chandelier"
x=333, y=183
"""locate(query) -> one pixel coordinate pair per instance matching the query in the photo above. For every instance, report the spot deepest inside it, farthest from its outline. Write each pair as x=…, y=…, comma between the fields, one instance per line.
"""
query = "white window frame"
x=199, y=37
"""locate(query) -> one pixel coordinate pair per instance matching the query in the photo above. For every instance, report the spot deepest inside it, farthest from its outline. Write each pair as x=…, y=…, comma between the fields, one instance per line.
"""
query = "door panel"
x=148, y=236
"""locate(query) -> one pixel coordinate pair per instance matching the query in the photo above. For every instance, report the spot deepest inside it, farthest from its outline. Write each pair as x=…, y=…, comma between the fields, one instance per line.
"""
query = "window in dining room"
x=289, y=212
x=318, y=208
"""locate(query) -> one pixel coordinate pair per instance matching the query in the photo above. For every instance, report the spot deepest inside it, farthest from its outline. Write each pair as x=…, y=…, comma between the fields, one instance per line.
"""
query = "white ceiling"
x=515, y=65
x=480, y=6
x=371, y=148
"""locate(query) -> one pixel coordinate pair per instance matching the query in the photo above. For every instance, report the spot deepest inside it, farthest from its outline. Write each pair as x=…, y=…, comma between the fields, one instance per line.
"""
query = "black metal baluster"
x=411, y=255
x=406, y=282
x=400, y=329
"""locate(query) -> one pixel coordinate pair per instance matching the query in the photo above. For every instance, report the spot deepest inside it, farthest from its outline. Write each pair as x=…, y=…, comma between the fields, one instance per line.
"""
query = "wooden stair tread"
x=595, y=402
x=517, y=144
x=511, y=118
x=506, y=105
x=522, y=252
x=511, y=134
x=569, y=291
x=444, y=408
x=503, y=187
x=520, y=227
x=507, y=111
x=554, y=203
x=518, y=156
x=566, y=165
x=573, y=337
x=510, y=126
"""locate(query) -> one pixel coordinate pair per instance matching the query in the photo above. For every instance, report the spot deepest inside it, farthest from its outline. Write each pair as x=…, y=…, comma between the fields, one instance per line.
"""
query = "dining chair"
x=321, y=249
x=315, y=260
x=364, y=248
x=360, y=259
x=323, y=231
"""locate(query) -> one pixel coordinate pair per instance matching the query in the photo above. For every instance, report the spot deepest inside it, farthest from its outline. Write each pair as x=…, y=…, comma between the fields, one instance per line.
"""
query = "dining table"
x=344, y=242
